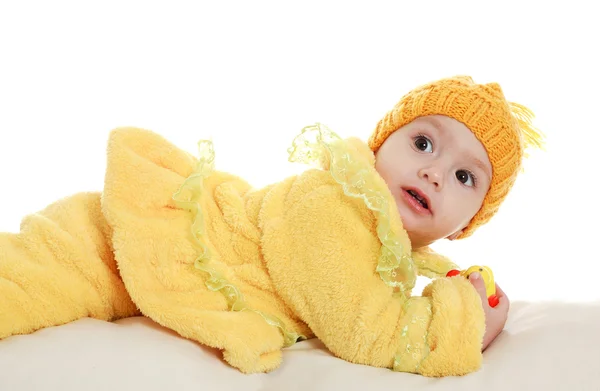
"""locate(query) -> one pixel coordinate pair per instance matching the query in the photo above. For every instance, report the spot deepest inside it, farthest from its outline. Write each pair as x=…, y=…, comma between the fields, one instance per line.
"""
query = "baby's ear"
x=455, y=235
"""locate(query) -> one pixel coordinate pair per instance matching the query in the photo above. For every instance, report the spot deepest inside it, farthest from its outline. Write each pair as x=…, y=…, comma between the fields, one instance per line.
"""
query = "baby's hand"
x=495, y=317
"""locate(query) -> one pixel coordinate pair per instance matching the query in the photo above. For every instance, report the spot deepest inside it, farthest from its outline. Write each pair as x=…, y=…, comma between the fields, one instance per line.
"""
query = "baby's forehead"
x=454, y=135
x=447, y=127
x=435, y=121
x=444, y=124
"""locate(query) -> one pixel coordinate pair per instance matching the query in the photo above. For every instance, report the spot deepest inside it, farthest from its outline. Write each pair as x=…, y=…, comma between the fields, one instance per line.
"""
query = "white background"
x=251, y=74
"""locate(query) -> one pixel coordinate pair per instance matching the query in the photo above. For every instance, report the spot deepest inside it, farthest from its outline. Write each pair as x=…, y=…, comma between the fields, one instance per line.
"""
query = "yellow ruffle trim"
x=193, y=185
x=318, y=145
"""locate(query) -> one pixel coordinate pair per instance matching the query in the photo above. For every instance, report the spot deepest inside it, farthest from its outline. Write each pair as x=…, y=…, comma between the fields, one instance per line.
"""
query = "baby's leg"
x=60, y=268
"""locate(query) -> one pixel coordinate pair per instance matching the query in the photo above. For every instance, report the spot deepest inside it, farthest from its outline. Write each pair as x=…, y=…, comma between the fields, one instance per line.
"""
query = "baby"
x=331, y=253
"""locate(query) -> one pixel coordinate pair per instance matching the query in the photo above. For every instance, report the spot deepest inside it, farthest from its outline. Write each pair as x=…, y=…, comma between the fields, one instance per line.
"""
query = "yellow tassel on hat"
x=532, y=137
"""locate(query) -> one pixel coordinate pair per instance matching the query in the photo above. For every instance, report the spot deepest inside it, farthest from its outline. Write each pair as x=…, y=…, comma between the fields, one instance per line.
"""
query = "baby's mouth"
x=419, y=198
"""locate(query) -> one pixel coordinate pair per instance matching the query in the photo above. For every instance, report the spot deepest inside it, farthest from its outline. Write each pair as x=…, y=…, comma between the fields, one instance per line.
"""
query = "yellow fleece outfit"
x=248, y=271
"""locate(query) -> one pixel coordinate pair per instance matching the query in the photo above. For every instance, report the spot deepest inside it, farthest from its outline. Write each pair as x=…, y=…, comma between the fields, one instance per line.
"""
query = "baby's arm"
x=433, y=265
x=321, y=250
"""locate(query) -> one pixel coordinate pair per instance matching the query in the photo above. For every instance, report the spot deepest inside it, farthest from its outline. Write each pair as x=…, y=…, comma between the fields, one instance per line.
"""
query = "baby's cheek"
x=460, y=216
x=453, y=218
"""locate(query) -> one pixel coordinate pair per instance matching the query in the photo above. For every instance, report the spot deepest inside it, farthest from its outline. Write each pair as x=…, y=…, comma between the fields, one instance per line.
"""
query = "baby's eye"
x=465, y=177
x=423, y=144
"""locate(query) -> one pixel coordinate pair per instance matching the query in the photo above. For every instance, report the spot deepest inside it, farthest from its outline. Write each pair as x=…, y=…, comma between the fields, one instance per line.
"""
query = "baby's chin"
x=421, y=236
x=420, y=233
x=417, y=235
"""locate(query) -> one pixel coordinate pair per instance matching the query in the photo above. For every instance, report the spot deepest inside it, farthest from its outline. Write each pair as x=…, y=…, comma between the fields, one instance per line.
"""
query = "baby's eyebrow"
x=436, y=124
x=481, y=165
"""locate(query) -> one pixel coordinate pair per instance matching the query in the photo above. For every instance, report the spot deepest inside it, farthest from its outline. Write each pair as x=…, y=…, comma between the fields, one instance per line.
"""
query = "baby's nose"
x=433, y=176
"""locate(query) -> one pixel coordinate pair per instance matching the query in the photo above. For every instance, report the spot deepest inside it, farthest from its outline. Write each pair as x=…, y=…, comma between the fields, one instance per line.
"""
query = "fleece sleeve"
x=322, y=249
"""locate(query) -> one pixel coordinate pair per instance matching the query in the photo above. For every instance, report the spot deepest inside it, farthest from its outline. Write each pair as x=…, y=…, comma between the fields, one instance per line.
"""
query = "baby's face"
x=438, y=173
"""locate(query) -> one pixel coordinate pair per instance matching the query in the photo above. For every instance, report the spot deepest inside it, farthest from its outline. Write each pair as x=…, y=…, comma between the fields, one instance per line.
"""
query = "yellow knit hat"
x=504, y=128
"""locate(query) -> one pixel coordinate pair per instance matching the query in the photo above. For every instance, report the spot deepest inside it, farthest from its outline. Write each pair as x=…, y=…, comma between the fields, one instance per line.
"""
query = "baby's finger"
x=504, y=302
x=503, y=305
x=500, y=292
x=479, y=285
